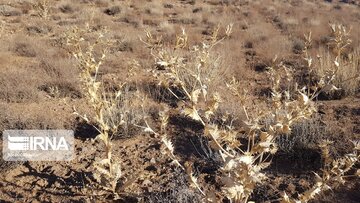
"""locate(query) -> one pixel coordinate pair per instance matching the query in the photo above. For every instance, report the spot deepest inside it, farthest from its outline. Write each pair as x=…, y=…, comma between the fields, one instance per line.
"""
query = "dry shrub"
x=43, y=8
x=7, y=10
x=267, y=41
x=18, y=88
x=348, y=73
x=245, y=150
x=304, y=135
x=112, y=108
x=19, y=83
x=336, y=69
x=24, y=49
x=191, y=75
x=39, y=28
x=334, y=173
x=35, y=116
x=178, y=193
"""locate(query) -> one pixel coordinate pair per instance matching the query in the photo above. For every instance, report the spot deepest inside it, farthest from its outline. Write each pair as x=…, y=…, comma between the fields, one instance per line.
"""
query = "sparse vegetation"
x=241, y=170
x=43, y=8
x=217, y=101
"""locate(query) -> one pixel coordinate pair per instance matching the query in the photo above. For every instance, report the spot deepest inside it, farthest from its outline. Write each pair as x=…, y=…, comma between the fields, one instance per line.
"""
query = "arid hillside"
x=184, y=100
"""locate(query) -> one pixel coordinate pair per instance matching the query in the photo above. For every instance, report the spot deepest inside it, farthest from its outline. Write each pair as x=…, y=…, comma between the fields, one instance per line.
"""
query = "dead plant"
x=112, y=110
x=191, y=74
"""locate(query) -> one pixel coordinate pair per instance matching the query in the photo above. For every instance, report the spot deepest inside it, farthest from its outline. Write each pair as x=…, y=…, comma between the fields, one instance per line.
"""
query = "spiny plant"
x=112, y=110
x=108, y=170
x=334, y=173
x=190, y=71
x=333, y=71
x=339, y=39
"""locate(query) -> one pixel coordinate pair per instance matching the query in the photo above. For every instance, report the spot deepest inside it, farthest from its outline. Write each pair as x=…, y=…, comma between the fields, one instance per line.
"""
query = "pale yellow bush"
x=114, y=112
x=333, y=70
x=188, y=69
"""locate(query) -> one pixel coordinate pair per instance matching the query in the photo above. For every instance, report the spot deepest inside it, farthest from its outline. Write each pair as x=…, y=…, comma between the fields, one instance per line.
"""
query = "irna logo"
x=37, y=143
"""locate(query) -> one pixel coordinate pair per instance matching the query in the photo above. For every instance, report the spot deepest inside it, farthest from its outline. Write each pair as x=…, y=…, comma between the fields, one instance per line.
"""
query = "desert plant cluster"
x=177, y=122
x=189, y=74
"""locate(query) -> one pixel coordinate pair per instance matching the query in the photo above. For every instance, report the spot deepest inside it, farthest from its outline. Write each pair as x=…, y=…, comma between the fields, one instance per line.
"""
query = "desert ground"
x=44, y=84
